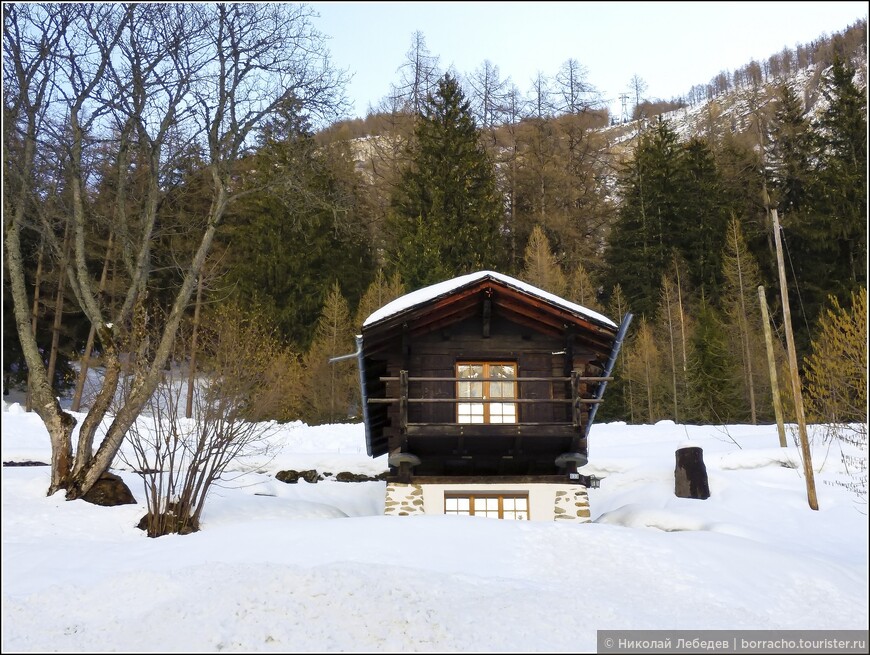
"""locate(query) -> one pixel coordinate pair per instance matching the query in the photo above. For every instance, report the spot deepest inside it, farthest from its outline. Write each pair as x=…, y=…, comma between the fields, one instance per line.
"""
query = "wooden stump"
x=690, y=474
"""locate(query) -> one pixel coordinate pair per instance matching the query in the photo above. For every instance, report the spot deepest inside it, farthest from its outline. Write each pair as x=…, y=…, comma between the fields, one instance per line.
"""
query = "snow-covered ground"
x=318, y=568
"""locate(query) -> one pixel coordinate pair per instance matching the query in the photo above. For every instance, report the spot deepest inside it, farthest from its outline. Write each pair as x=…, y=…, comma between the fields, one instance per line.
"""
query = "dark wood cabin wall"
x=435, y=354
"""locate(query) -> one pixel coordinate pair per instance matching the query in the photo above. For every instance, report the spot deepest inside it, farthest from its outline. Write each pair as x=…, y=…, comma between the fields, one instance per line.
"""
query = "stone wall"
x=572, y=504
x=403, y=499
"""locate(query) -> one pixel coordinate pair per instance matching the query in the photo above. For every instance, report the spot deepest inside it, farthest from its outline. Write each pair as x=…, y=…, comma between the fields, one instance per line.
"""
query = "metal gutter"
x=611, y=361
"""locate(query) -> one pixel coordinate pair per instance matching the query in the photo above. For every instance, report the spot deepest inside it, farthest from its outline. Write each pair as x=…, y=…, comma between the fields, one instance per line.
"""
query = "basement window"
x=486, y=381
x=511, y=506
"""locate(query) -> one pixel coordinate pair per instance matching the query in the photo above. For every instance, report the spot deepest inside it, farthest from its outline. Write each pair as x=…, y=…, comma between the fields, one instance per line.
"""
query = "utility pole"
x=793, y=365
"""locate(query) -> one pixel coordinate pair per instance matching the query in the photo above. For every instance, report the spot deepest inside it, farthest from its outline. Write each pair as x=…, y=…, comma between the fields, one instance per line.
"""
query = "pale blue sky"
x=671, y=45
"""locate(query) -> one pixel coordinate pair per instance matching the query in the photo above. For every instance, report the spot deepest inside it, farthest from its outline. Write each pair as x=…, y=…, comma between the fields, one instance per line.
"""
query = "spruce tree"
x=790, y=154
x=843, y=205
x=672, y=200
x=446, y=215
x=713, y=375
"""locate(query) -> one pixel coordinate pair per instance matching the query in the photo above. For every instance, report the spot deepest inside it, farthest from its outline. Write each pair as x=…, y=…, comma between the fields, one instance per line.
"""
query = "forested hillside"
x=666, y=214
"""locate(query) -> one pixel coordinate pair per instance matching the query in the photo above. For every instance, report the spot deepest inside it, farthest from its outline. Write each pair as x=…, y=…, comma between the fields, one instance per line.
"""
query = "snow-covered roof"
x=426, y=294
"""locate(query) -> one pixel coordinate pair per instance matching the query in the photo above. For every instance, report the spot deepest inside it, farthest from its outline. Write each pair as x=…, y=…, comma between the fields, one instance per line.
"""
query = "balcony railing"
x=577, y=400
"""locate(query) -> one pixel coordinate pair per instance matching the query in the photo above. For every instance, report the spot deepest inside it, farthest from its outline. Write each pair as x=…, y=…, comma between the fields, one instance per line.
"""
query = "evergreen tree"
x=638, y=249
x=696, y=230
x=299, y=230
x=843, y=204
x=790, y=154
x=713, y=375
x=672, y=201
x=826, y=239
x=446, y=216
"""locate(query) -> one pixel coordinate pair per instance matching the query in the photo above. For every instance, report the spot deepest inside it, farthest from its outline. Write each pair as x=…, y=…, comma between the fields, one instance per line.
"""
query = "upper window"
x=492, y=381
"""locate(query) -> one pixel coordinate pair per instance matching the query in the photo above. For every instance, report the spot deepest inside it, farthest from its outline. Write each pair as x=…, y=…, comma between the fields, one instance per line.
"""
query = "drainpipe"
x=362, y=386
x=614, y=352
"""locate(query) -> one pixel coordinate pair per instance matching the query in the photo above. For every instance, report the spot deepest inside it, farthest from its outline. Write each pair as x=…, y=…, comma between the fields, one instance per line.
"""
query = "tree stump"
x=690, y=474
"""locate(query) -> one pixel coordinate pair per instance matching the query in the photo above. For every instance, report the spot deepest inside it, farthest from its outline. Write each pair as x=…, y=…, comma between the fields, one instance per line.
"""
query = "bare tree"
x=180, y=460
x=138, y=74
x=488, y=94
x=576, y=94
x=638, y=87
x=419, y=75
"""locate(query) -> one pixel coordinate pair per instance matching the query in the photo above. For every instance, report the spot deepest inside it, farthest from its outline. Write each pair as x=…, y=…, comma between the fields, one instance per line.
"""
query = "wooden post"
x=793, y=365
x=771, y=363
x=575, y=399
x=403, y=400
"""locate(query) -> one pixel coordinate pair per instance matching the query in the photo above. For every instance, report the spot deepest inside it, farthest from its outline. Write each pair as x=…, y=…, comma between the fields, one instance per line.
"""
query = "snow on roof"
x=444, y=288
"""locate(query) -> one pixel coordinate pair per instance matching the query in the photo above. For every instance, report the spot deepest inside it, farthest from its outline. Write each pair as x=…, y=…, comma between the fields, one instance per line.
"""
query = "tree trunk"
x=28, y=401
x=191, y=376
x=86, y=356
x=58, y=307
x=690, y=474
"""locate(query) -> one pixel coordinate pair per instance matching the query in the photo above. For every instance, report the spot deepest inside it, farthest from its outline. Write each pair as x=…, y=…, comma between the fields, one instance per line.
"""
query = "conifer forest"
x=175, y=172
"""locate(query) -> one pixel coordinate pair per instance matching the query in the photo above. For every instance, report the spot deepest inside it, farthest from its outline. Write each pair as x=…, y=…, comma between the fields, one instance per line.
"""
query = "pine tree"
x=541, y=268
x=446, y=214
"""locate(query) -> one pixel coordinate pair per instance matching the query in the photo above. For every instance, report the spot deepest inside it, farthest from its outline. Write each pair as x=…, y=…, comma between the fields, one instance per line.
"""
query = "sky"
x=318, y=567
x=670, y=45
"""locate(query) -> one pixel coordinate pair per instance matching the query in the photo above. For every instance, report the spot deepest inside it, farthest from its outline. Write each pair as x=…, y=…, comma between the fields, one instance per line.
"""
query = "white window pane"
x=509, y=504
x=522, y=516
x=522, y=503
x=492, y=504
x=451, y=504
x=464, y=504
x=479, y=505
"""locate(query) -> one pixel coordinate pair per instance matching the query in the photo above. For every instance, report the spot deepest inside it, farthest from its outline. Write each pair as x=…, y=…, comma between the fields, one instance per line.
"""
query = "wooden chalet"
x=481, y=390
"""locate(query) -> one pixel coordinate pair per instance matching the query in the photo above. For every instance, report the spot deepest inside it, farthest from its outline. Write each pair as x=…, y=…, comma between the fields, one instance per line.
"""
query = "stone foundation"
x=547, y=502
x=403, y=499
x=572, y=505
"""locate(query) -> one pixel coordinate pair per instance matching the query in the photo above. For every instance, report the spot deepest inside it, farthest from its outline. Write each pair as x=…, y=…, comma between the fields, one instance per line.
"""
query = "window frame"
x=486, y=395
x=499, y=495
